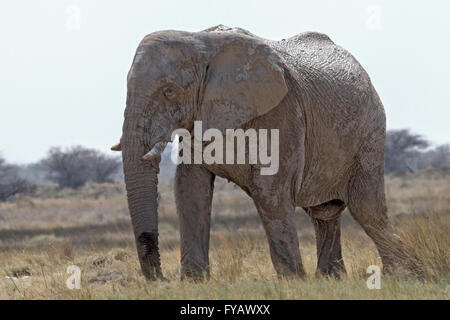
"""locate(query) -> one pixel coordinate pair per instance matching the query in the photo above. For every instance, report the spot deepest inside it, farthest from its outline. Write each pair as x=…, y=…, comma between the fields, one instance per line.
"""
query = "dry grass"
x=41, y=236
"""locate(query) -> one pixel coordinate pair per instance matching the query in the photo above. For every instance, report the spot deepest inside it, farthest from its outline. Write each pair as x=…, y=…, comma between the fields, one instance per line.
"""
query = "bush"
x=406, y=151
x=74, y=166
x=10, y=181
x=402, y=150
x=440, y=157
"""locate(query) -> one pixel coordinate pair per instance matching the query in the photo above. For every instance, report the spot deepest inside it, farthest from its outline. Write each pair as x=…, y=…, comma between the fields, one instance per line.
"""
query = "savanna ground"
x=40, y=236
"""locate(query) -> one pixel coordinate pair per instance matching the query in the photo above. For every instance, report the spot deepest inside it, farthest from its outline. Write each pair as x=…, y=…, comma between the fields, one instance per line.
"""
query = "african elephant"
x=331, y=153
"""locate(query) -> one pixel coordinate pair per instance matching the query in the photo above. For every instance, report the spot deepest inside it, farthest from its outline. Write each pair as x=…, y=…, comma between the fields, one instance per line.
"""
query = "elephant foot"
x=151, y=272
x=286, y=268
x=398, y=259
x=194, y=273
x=334, y=269
x=299, y=273
x=403, y=267
x=328, y=240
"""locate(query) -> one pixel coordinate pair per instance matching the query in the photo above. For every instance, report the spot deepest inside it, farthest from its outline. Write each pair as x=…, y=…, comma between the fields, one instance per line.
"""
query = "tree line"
x=408, y=152
x=73, y=167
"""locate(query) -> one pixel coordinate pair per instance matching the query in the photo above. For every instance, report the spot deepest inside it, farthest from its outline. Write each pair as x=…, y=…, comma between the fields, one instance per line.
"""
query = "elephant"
x=331, y=124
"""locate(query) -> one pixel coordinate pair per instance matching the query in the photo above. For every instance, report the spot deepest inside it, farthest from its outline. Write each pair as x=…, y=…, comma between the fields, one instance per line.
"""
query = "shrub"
x=10, y=181
x=74, y=166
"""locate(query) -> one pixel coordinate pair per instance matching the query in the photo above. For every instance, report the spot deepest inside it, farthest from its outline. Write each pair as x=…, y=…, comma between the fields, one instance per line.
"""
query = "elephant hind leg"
x=367, y=206
x=326, y=219
x=282, y=237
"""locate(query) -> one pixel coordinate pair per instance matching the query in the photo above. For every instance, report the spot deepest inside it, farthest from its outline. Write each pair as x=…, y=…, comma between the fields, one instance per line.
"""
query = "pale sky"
x=63, y=80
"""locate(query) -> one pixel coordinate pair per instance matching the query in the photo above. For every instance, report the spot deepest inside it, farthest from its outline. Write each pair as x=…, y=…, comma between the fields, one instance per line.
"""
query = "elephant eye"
x=169, y=92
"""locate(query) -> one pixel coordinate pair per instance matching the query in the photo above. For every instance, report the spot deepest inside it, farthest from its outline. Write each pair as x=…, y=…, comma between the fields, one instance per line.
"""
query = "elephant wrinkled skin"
x=331, y=128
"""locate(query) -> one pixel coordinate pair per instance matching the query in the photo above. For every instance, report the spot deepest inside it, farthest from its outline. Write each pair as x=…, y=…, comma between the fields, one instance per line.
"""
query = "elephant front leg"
x=283, y=240
x=193, y=195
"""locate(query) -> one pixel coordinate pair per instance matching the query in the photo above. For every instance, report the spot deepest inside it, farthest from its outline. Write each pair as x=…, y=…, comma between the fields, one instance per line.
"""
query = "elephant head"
x=224, y=79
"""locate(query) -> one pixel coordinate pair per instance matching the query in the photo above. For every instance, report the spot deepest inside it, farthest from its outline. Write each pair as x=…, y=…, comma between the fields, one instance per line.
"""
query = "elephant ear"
x=244, y=80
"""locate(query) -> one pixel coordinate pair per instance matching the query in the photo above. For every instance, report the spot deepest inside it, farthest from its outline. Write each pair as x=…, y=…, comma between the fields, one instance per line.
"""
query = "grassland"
x=41, y=235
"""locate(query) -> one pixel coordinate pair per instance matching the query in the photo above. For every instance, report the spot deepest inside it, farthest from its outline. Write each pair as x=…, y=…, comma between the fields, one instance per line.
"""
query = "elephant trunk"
x=141, y=182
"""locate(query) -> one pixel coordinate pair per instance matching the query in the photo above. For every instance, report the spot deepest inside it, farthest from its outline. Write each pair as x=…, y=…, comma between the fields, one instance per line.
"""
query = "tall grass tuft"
x=428, y=234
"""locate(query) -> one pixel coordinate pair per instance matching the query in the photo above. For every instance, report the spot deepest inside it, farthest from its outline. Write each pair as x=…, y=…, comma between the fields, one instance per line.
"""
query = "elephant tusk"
x=156, y=151
x=117, y=147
